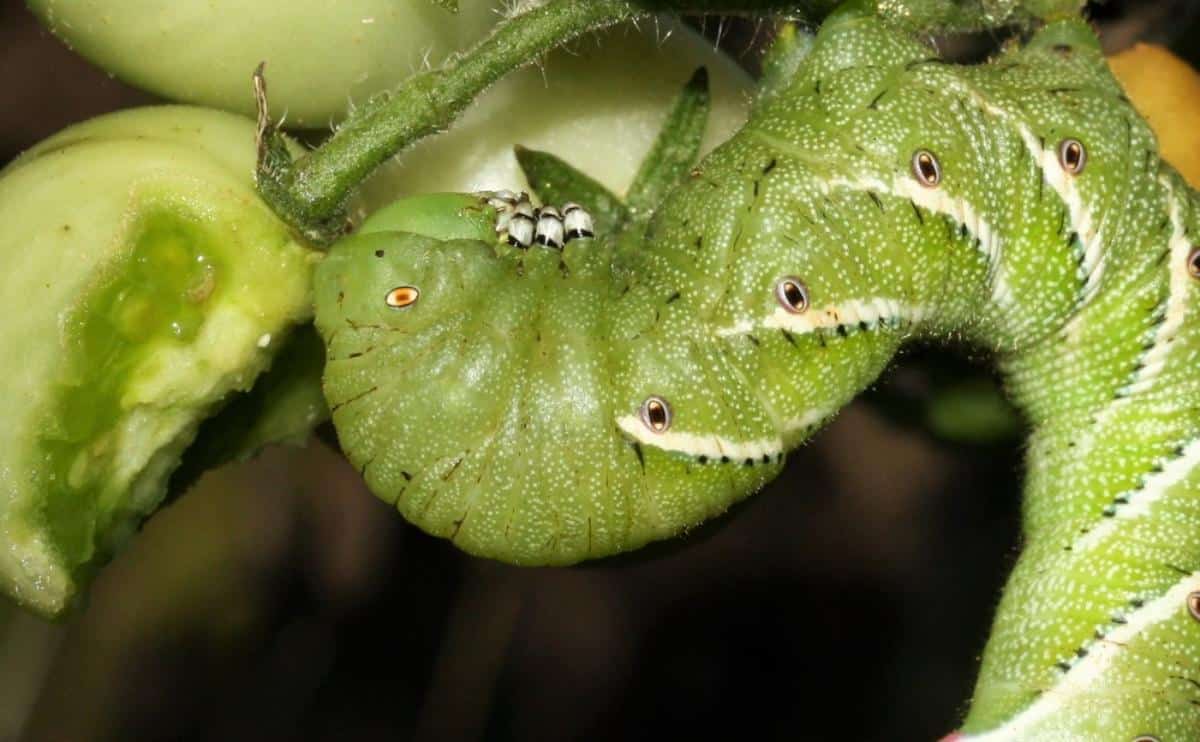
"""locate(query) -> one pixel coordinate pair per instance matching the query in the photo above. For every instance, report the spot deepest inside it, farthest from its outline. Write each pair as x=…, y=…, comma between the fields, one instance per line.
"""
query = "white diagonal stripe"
x=872, y=311
x=807, y=419
x=1142, y=500
x=1087, y=673
x=691, y=444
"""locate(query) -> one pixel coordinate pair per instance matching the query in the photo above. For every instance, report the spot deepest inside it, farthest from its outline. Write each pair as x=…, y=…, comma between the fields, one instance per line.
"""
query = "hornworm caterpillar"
x=544, y=407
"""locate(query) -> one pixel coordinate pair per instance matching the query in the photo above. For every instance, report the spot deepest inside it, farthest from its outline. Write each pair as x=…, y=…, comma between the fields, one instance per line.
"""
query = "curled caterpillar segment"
x=522, y=225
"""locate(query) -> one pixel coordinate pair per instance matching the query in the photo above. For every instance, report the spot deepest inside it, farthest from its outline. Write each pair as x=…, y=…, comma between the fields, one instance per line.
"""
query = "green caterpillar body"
x=544, y=407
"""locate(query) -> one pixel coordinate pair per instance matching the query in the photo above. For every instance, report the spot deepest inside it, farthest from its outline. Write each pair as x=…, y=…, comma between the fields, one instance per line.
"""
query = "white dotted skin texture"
x=503, y=410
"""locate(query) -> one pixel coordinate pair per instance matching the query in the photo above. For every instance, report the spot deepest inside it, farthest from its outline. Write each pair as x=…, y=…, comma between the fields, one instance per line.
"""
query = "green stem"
x=311, y=192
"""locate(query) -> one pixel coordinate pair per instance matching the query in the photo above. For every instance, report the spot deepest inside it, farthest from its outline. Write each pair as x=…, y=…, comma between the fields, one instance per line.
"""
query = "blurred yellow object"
x=1166, y=90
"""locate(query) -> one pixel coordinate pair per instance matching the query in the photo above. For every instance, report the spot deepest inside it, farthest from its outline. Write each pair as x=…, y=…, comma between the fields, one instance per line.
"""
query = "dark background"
x=280, y=600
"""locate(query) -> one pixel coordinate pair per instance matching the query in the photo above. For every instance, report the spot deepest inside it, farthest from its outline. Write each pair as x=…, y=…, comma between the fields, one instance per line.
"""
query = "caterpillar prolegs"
x=544, y=407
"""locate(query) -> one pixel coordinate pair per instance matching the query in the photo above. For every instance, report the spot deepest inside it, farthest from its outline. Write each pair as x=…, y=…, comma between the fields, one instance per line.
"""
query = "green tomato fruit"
x=599, y=105
x=321, y=56
x=143, y=282
x=284, y=408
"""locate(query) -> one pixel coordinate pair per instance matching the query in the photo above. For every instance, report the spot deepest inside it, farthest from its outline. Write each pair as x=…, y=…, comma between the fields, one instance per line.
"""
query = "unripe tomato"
x=141, y=281
x=321, y=55
x=1166, y=90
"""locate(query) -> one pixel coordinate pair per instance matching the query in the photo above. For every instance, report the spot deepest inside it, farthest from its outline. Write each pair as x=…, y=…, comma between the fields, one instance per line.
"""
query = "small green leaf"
x=450, y=5
x=556, y=182
x=677, y=147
